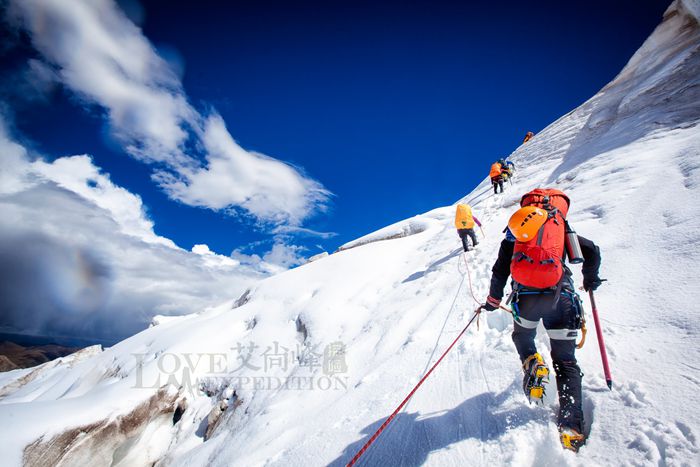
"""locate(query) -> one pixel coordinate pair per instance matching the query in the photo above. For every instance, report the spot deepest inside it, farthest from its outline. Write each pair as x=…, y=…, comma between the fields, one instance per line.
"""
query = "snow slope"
x=305, y=366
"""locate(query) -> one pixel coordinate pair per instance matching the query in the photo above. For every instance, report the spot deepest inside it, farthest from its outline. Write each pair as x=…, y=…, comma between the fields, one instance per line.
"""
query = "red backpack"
x=539, y=263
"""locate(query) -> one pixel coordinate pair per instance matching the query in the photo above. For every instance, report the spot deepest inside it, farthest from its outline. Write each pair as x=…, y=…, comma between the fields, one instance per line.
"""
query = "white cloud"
x=279, y=258
x=301, y=231
x=201, y=249
x=285, y=256
x=246, y=259
x=78, y=255
x=104, y=57
x=101, y=55
x=271, y=189
x=13, y=163
x=212, y=259
x=79, y=175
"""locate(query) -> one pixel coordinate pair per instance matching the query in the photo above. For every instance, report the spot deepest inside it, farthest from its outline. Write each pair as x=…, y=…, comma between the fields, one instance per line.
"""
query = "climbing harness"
x=579, y=318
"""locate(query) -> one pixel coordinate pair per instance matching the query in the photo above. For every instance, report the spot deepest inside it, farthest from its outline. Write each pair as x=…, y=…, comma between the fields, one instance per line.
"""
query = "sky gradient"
x=394, y=107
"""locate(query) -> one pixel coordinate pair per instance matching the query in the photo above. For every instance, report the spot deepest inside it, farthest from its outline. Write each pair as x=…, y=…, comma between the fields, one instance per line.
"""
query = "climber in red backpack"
x=528, y=137
x=537, y=241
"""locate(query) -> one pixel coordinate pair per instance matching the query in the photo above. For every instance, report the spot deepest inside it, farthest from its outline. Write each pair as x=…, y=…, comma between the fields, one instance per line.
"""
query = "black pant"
x=497, y=182
x=561, y=323
x=463, y=234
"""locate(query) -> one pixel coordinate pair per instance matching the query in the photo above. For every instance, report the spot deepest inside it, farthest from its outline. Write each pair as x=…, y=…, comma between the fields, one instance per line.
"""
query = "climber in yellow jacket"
x=464, y=221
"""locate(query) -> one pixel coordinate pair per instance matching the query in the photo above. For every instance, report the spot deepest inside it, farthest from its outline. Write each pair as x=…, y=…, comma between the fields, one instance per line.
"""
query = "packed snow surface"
x=304, y=367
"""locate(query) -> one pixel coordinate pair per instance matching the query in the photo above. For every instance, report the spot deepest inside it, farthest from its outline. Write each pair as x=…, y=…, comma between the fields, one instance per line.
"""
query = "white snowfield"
x=304, y=368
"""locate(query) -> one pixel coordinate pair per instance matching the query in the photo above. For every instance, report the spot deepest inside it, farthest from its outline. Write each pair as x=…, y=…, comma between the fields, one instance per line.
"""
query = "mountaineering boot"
x=571, y=439
x=536, y=375
x=570, y=395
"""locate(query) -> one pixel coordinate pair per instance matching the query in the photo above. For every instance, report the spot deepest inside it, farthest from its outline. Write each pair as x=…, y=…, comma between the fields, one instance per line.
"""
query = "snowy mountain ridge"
x=304, y=367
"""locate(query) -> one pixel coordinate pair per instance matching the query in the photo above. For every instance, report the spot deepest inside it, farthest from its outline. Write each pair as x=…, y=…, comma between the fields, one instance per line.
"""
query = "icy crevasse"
x=630, y=160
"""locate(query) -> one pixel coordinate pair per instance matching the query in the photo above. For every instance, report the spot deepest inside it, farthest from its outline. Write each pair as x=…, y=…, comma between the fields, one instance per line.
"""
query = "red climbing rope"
x=410, y=394
x=471, y=291
x=469, y=277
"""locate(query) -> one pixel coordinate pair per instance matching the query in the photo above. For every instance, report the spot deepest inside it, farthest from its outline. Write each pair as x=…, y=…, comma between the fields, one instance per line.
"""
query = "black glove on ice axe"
x=592, y=283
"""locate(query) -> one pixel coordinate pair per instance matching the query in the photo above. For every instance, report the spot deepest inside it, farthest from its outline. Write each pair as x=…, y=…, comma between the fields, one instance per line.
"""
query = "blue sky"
x=394, y=107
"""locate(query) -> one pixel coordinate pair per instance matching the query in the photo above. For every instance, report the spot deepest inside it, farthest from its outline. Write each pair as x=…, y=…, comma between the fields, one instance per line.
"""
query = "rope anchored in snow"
x=410, y=394
x=391, y=417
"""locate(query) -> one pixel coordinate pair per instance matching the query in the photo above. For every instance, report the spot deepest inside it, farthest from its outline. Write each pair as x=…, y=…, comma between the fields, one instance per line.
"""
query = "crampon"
x=536, y=376
x=571, y=439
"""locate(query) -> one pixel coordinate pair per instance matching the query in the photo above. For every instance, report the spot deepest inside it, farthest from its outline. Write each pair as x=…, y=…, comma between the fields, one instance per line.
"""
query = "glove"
x=491, y=304
x=591, y=283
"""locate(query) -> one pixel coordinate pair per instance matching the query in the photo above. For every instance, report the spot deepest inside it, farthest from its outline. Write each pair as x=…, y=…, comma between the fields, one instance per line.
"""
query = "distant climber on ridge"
x=496, y=177
x=533, y=254
x=507, y=170
x=464, y=221
x=511, y=167
x=528, y=136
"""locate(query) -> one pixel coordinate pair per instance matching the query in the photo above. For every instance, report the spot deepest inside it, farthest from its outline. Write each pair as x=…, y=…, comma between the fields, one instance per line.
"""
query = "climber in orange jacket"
x=528, y=136
x=464, y=221
x=496, y=176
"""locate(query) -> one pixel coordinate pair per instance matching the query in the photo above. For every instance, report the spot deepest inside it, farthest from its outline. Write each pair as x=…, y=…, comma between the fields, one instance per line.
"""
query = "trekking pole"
x=410, y=394
x=601, y=343
x=482, y=232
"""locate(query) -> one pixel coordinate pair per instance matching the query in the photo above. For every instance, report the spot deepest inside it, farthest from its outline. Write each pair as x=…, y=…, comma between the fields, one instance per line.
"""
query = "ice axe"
x=601, y=342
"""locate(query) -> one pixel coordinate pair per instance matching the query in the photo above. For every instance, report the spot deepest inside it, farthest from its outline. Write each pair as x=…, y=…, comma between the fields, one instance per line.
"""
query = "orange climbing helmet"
x=526, y=222
x=537, y=261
